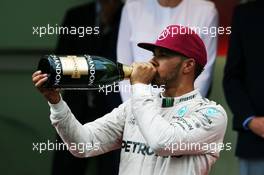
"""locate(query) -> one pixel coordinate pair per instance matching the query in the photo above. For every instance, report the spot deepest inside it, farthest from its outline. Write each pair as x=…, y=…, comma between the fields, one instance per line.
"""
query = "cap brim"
x=150, y=46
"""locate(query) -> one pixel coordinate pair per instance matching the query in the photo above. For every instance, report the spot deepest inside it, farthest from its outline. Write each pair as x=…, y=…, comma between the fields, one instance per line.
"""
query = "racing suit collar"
x=172, y=101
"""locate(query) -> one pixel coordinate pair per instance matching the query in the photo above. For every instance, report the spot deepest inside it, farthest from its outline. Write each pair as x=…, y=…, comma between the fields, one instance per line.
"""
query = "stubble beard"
x=170, y=78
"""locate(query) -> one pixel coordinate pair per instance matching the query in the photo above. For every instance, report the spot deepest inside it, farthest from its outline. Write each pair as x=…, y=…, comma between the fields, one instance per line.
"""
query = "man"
x=142, y=20
x=243, y=85
x=90, y=105
x=168, y=133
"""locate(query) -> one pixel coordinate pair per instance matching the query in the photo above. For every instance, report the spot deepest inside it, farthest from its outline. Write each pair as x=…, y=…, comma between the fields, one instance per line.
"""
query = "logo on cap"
x=164, y=33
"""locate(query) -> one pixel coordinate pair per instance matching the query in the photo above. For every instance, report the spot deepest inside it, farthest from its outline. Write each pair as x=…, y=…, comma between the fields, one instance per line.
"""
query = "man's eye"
x=162, y=55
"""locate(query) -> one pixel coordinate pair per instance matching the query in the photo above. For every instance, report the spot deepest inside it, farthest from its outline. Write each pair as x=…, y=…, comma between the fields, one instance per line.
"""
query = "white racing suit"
x=156, y=138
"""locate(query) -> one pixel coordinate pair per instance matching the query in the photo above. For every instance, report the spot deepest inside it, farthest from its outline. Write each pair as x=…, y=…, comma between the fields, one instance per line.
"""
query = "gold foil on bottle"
x=74, y=66
x=127, y=71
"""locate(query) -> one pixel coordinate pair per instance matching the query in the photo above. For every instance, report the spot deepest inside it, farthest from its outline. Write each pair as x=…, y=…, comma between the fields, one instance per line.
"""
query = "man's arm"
x=234, y=87
x=98, y=137
x=204, y=81
x=165, y=138
x=105, y=134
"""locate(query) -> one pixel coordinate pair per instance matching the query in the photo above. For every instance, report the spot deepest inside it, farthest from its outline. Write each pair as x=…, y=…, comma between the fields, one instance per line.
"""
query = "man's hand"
x=256, y=125
x=51, y=94
x=142, y=73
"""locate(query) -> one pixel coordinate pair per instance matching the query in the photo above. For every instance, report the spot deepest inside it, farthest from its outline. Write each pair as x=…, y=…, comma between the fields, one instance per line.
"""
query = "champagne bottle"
x=81, y=72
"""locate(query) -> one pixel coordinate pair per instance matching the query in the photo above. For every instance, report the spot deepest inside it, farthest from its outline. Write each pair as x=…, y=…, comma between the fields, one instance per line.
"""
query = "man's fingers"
x=38, y=77
x=144, y=66
x=141, y=64
x=41, y=82
x=135, y=64
x=151, y=65
x=36, y=73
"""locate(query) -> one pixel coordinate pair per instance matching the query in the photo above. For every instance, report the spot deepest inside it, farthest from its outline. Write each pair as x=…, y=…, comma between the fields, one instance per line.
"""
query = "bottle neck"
x=127, y=71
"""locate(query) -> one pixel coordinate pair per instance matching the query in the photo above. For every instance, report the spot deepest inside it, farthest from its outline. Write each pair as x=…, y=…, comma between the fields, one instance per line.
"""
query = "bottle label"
x=91, y=69
x=74, y=66
x=58, y=70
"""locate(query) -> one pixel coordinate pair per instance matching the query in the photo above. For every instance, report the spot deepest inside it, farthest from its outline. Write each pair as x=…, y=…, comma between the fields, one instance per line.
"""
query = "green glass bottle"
x=81, y=72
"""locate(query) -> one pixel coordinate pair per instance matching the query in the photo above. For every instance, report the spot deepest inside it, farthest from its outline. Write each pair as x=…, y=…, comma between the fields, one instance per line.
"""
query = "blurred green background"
x=24, y=114
x=18, y=17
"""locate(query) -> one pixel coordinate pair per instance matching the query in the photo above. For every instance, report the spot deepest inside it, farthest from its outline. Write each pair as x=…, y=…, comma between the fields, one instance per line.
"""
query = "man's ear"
x=188, y=65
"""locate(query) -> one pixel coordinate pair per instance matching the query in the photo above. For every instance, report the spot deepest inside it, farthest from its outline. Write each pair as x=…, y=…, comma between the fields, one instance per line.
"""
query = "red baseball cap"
x=180, y=39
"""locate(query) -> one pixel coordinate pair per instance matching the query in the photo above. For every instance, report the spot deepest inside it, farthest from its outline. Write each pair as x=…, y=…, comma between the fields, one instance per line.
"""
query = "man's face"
x=168, y=67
